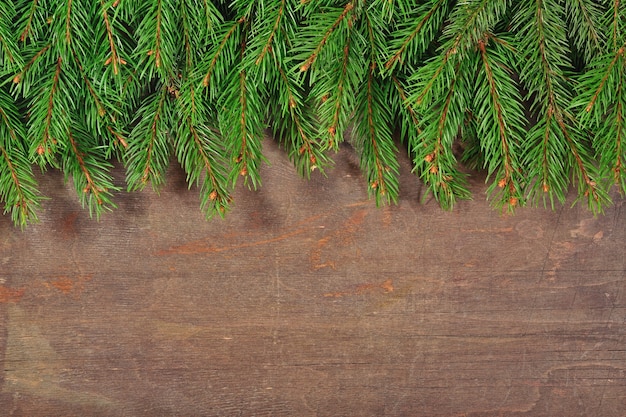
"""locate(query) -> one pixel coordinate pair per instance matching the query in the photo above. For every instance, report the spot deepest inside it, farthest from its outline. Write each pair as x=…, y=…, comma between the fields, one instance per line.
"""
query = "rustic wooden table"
x=310, y=301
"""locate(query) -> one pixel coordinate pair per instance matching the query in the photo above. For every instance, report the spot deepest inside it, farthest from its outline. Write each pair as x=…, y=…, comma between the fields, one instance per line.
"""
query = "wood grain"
x=307, y=300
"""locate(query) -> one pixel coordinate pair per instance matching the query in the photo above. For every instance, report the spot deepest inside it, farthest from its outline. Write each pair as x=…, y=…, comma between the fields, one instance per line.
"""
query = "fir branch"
x=292, y=120
x=268, y=43
x=48, y=122
x=203, y=159
x=372, y=131
x=616, y=22
x=554, y=138
x=18, y=187
x=89, y=171
x=343, y=14
x=432, y=154
x=227, y=45
x=113, y=57
x=501, y=121
x=200, y=150
x=374, y=141
x=160, y=40
x=147, y=154
x=417, y=32
x=413, y=117
x=9, y=54
x=19, y=77
x=600, y=101
x=26, y=26
x=241, y=123
x=584, y=17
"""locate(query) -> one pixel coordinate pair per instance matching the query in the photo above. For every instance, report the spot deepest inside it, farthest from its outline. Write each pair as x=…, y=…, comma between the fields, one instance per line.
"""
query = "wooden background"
x=310, y=301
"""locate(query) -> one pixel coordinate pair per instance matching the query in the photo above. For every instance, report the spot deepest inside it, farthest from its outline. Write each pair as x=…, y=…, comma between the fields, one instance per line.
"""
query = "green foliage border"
x=533, y=89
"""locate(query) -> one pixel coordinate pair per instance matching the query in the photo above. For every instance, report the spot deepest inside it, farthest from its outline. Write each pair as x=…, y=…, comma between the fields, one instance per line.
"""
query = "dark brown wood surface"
x=307, y=300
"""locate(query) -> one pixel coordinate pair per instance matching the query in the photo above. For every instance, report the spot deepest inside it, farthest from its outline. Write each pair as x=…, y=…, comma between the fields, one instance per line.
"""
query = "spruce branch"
x=113, y=57
x=26, y=18
x=500, y=121
x=600, y=104
x=584, y=18
x=200, y=151
x=342, y=15
x=415, y=34
x=373, y=139
x=48, y=122
x=82, y=83
x=148, y=151
x=224, y=52
x=335, y=72
x=241, y=122
x=18, y=187
x=9, y=52
x=89, y=171
x=294, y=125
x=554, y=138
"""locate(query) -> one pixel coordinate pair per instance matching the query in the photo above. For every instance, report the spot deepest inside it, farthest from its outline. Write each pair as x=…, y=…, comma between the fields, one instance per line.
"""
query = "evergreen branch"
x=196, y=150
x=268, y=43
x=405, y=104
x=374, y=141
x=20, y=194
x=584, y=17
x=200, y=150
x=29, y=21
x=320, y=44
x=147, y=154
x=338, y=97
x=505, y=114
x=470, y=21
x=45, y=124
x=9, y=54
x=160, y=39
x=307, y=149
x=187, y=38
x=218, y=51
x=613, y=152
x=543, y=27
x=118, y=137
x=616, y=18
x=242, y=121
x=418, y=26
x=20, y=76
x=18, y=188
x=601, y=111
x=68, y=37
x=442, y=121
x=89, y=172
x=113, y=58
x=157, y=41
x=605, y=77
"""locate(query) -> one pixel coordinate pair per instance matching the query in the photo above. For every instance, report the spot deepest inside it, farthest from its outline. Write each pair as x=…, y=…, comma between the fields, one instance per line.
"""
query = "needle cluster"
x=534, y=91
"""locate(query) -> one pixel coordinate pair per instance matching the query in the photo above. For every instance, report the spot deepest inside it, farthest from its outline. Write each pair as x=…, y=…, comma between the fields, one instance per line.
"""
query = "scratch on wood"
x=489, y=230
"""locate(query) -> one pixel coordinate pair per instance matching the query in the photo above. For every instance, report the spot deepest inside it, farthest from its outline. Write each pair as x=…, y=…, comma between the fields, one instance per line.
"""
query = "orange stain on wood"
x=10, y=295
x=67, y=285
x=63, y=284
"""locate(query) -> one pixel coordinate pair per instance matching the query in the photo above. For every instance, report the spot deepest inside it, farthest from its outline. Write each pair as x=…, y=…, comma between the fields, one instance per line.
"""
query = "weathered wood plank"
x=309, y=301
